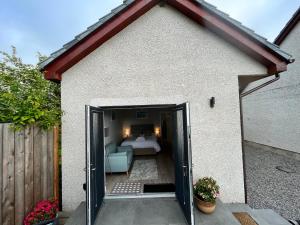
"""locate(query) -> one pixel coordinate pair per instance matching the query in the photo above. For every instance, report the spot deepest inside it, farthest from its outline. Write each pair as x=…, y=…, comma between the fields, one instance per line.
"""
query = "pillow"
x=139, y=139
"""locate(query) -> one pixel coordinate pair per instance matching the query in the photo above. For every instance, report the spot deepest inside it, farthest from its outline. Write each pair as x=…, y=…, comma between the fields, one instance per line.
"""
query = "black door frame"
x=170, y=107
x=93, y=200
x=185, y=170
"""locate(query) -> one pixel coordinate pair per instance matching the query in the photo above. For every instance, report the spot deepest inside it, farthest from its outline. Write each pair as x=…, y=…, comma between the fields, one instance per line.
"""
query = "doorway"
x=137, y=162
x=106, y=155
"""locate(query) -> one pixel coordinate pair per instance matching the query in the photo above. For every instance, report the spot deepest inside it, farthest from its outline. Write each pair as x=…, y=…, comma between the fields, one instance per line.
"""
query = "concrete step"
x=238, y=207
x=78, y=216
x=63, y=217
x=221, y=216
x=268, y=217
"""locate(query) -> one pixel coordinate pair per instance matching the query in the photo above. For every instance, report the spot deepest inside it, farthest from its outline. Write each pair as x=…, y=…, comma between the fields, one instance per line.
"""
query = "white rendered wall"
x=272, y=114
x=162, y=55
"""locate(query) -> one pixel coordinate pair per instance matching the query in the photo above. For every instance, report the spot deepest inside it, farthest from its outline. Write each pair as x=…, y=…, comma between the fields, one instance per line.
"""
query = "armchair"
x=118, y=159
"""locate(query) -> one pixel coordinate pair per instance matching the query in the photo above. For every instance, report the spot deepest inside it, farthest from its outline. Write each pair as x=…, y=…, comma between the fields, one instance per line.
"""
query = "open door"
x=95, y=189
x=183, y=162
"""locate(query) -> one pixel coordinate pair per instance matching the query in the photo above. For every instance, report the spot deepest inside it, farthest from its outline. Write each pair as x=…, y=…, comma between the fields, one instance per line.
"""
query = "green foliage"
x=206, y=189
x=25, y=96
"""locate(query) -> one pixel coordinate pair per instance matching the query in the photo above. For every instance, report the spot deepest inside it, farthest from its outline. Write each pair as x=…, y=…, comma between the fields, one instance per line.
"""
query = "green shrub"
x=25, y=96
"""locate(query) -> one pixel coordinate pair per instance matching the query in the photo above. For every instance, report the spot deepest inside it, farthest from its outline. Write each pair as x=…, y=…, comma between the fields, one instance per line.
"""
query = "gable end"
x=201, y=12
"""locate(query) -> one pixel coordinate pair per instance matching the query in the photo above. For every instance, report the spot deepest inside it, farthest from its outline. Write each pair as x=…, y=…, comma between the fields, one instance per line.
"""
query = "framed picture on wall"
x=141, y=115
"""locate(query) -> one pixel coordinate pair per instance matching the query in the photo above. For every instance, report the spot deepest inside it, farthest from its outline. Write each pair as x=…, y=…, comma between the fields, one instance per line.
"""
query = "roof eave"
x=288, y=27
x=274, y=61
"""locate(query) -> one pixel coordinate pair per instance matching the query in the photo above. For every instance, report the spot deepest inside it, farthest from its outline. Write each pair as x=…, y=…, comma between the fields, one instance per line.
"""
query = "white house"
x=181, y=62
x=272, y=114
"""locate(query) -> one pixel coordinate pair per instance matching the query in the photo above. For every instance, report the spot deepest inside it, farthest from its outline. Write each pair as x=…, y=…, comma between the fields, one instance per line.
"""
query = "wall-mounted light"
x=157, y=131
x=126, y=132
x=212, y=102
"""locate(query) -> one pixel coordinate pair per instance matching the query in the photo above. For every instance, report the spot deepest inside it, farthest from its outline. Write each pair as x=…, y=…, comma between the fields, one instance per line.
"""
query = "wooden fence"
x=28, y=170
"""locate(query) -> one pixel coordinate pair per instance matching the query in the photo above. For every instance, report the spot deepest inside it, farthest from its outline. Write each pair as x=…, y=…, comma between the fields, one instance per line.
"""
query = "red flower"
x=44, y=210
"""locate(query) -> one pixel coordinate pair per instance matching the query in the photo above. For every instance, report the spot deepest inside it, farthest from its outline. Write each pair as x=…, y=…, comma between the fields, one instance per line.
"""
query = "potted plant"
x=206, y=191
x=44, y=213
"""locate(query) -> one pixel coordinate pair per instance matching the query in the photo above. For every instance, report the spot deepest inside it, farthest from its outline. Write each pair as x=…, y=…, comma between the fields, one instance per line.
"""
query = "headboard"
x=146, y=129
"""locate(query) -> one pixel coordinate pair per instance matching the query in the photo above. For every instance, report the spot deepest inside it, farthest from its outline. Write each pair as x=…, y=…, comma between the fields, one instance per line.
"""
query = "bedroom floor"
x=145, y=170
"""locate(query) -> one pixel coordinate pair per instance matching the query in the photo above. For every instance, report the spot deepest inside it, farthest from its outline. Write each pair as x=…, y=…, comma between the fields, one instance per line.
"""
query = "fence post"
x=19, y=177
x=29, y=169
x=8, y=179
x=56, y=162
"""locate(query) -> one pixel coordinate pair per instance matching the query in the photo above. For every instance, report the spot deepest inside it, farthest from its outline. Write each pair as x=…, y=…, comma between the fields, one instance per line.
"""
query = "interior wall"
x=167, y=116
x=114, y=133
x=129, y=118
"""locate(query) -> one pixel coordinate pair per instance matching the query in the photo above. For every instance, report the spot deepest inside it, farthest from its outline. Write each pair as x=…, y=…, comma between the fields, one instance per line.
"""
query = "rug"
x=152, y=188
x=127, y=188
x=244, y=218
x=144, y=170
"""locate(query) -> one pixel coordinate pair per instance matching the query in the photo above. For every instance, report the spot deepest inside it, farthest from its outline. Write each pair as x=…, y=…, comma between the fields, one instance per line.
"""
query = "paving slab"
x=154, y=211
x=238, y=207
x=268, y=217
x=166, y=211
x=221, y=216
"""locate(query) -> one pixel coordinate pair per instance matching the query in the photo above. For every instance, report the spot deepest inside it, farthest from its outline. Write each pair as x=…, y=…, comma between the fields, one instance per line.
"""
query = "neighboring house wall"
x=272, y=114
x=162, y=55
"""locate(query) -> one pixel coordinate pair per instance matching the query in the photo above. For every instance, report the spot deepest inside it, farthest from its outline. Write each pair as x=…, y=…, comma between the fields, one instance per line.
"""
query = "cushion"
x=140, y=139
x=110, y=148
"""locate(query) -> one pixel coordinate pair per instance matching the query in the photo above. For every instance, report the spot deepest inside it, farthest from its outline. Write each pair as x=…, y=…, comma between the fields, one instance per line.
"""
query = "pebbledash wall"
x=163, y=57
x=272, y=114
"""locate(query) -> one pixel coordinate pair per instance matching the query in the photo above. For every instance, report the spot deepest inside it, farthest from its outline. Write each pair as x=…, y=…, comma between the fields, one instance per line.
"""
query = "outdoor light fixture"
x=212, y=102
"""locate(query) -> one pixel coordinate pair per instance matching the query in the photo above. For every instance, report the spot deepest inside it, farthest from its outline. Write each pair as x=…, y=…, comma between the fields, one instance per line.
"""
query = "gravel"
x=271, y=187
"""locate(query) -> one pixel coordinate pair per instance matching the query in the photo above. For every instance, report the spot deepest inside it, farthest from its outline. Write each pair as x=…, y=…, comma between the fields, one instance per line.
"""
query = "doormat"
x=244, y=218
x=127, y=188
x=145, y=169
x=150, y=188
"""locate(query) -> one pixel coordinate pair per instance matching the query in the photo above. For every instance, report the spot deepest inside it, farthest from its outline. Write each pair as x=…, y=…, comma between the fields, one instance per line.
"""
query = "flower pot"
x=206, y=207
x=49, y=222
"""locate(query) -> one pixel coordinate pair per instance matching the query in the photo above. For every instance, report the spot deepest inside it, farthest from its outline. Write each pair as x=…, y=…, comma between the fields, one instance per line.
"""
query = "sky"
x=44, y=26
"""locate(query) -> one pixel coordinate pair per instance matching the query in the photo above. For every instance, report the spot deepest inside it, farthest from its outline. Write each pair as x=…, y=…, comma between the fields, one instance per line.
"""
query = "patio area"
x=166, y=211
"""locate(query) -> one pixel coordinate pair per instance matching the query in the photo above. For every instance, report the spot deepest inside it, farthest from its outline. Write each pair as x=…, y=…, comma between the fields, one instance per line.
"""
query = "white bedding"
x=149, y=142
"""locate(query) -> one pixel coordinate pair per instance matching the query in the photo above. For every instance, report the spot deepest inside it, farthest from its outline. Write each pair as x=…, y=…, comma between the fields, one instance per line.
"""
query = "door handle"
x=93, y=169
x=184, y=170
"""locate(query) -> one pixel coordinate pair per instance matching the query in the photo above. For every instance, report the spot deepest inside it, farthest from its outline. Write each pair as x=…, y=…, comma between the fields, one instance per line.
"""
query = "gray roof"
x=248, y=31
x=201, y=3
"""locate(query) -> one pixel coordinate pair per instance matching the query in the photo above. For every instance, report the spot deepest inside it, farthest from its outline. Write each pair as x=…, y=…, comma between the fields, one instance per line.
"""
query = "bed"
x=142, y=140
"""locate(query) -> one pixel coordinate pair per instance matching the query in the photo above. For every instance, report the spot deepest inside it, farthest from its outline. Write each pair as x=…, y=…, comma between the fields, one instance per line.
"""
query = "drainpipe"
x=277, y=77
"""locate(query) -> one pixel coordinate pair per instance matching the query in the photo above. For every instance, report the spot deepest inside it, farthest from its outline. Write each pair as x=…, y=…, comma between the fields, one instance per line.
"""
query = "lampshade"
x=127, y=132
x=157, y=131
